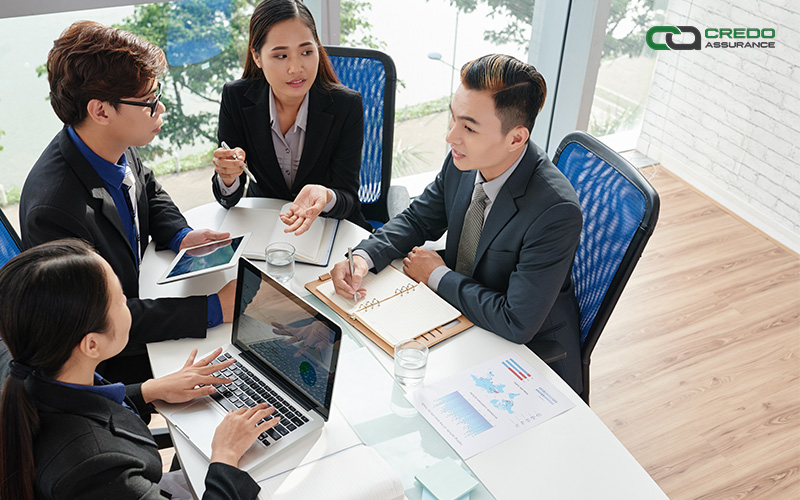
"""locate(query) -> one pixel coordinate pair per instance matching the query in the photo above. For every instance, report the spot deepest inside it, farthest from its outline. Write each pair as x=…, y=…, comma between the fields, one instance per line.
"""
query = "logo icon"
x=670, y=44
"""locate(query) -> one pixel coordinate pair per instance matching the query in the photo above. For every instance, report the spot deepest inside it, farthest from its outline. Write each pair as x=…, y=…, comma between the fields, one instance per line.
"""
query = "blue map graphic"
x=487, y=384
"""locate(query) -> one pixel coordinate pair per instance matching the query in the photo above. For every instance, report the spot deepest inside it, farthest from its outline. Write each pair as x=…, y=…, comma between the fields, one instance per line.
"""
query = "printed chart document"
x=312, y=247
x=489, y=403
x=396, y=307
x=357, y=473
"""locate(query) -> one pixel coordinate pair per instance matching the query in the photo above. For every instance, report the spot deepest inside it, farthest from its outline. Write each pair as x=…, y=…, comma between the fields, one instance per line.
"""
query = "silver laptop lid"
x=285, y=338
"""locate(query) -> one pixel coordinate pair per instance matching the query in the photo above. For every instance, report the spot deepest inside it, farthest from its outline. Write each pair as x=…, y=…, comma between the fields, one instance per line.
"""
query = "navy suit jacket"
x=63, y=197
x=331, y=152
x=521, y=286
x=91, y=447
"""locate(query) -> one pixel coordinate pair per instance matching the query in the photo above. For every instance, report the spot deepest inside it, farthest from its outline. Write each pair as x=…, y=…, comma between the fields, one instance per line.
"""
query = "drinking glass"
x=410, y=361
x=280, y=261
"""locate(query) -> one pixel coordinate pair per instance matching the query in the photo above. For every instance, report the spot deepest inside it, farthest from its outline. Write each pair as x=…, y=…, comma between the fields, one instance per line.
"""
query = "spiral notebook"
x=395, y=308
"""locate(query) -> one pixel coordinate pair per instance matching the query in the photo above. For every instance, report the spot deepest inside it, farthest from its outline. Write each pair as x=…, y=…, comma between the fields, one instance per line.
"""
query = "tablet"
x=205, y=258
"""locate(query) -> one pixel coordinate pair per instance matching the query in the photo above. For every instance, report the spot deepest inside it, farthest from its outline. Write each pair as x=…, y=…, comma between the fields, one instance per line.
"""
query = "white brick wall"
x=728, y=120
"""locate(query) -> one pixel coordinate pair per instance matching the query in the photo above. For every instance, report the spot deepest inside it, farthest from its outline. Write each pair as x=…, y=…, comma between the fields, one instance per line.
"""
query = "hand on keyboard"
x=238, y=431
x=191, y=381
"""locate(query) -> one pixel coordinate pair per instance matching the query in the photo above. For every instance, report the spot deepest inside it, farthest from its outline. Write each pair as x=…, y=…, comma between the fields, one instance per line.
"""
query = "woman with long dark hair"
x=66, y=432
x=289, y=119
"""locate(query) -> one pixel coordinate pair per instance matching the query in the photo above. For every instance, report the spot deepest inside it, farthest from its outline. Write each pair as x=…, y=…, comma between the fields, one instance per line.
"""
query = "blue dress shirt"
x=112, y=175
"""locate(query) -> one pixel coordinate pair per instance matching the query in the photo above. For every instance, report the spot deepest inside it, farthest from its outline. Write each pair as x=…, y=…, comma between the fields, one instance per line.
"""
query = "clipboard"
x=430, y=338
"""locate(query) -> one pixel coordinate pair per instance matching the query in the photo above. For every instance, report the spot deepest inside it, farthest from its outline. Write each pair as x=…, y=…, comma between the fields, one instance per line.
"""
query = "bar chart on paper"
x=489, y=403
x=460, y=412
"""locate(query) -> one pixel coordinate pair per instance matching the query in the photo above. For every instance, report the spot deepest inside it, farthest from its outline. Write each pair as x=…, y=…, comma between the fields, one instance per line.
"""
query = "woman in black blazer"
x=298, y=130
x=64, y=431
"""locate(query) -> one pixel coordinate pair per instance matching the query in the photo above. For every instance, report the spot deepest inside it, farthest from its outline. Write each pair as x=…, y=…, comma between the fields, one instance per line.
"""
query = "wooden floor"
x=698, y=370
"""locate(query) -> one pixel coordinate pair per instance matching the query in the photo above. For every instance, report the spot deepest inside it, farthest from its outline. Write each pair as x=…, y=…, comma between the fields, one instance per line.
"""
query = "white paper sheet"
x=489, y=403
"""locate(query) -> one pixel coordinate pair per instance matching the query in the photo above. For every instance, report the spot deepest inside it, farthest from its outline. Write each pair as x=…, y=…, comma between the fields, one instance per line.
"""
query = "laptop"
x=285, y=353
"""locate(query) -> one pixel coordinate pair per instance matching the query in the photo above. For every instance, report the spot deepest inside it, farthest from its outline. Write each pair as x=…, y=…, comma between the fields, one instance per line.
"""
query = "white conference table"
x=572, y=456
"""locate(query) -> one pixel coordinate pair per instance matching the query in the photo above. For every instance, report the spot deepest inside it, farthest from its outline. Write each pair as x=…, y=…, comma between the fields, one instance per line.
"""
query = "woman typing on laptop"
x=66, y=432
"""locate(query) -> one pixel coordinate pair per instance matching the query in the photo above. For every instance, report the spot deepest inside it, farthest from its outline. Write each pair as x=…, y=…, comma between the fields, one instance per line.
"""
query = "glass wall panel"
x=204, y=41
x=626, y=71
x=429, y=40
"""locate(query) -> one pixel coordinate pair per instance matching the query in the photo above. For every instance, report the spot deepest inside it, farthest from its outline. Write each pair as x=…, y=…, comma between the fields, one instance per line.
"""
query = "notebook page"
x=357, y=473
x=408, y=315
x=260, y=221
x=379, y=286
x=308, y=245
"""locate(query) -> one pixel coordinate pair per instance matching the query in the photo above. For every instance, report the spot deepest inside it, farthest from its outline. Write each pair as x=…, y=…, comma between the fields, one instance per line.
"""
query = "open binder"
x=396, y=308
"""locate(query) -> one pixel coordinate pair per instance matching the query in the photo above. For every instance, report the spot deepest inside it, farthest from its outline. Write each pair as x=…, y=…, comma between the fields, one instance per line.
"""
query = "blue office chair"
x=10, y=245
x=620, y=210
x=372, y=73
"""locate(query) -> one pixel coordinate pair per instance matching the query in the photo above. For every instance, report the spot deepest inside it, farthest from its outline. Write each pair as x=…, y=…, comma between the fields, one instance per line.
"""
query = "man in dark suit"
x=104, y=87
x=513, y=220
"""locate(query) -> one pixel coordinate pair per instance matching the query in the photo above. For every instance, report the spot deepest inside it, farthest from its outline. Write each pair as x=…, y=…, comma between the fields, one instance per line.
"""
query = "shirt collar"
x=492, y=188
x=114, y=392
x=111, y=173
x=299, y=122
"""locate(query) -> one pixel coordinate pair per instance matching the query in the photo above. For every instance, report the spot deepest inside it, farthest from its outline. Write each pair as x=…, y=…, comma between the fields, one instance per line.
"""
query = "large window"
x=204, y=41
x=429, y=41
x=626, y=72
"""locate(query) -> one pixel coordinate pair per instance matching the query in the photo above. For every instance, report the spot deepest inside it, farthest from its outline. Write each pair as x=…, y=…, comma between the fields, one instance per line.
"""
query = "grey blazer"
x=521, y=285
x=89, y=447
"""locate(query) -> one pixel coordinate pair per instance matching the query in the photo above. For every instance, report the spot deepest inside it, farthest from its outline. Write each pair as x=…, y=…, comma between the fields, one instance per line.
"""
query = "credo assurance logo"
x=716, y=38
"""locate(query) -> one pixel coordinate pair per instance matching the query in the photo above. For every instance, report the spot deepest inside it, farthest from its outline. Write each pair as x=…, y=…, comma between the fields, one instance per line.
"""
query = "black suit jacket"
x=63, y=197
x=331, y=152
x=521, y=286
x=90, y=447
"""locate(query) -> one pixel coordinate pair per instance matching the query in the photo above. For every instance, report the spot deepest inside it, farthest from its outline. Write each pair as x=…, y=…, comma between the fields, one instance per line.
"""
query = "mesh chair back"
x=371, y=73
x=10, y=244
x=620, y=209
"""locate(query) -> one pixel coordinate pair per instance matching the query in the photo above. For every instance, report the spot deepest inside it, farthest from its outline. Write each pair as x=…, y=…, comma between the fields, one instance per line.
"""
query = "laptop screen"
x=290, y=337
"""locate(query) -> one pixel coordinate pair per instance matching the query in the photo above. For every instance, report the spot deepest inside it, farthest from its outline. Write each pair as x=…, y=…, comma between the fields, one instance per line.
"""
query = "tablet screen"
x=208, y=256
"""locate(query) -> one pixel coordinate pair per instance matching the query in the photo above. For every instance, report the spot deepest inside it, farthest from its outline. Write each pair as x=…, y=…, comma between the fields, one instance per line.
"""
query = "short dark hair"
x=91, y=61
x=271, y=12
x=51, y=296
x=517, y=88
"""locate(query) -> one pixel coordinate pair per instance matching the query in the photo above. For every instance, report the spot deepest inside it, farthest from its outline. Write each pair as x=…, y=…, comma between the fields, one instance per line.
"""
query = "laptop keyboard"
x=247, y=390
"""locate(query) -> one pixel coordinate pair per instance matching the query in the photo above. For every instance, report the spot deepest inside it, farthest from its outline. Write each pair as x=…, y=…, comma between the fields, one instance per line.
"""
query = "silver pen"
x=352, y=269
x=244, y=166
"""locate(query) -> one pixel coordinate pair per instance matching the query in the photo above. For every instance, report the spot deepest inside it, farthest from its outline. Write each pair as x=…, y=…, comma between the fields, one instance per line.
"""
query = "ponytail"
x=19, y=423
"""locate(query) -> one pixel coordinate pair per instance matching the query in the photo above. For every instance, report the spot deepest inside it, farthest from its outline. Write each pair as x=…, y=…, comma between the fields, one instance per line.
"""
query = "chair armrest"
x=397, y=200
x=549, y=351
x=161, y=437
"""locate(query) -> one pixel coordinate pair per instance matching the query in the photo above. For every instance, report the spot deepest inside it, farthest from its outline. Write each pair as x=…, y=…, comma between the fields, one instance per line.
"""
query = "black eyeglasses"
x=152, y=105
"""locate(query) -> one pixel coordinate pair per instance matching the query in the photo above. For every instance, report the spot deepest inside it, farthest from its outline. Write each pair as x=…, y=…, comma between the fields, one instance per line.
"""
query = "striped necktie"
x=130, y=184
x=471, y=231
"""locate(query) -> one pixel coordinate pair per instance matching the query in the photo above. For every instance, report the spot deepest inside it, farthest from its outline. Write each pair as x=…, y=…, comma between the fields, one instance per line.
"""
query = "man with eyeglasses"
x=90, y=183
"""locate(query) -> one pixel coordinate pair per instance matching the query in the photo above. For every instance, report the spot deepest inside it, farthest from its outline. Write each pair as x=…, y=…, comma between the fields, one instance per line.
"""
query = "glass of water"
x=280, y=261
x=410, y=361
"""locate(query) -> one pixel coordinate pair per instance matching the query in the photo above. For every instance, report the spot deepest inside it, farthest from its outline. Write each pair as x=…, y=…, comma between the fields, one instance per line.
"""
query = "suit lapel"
x=95, y=186
x=318, y=127
x=460, y=204
x=505, y=206
x=257, y=121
